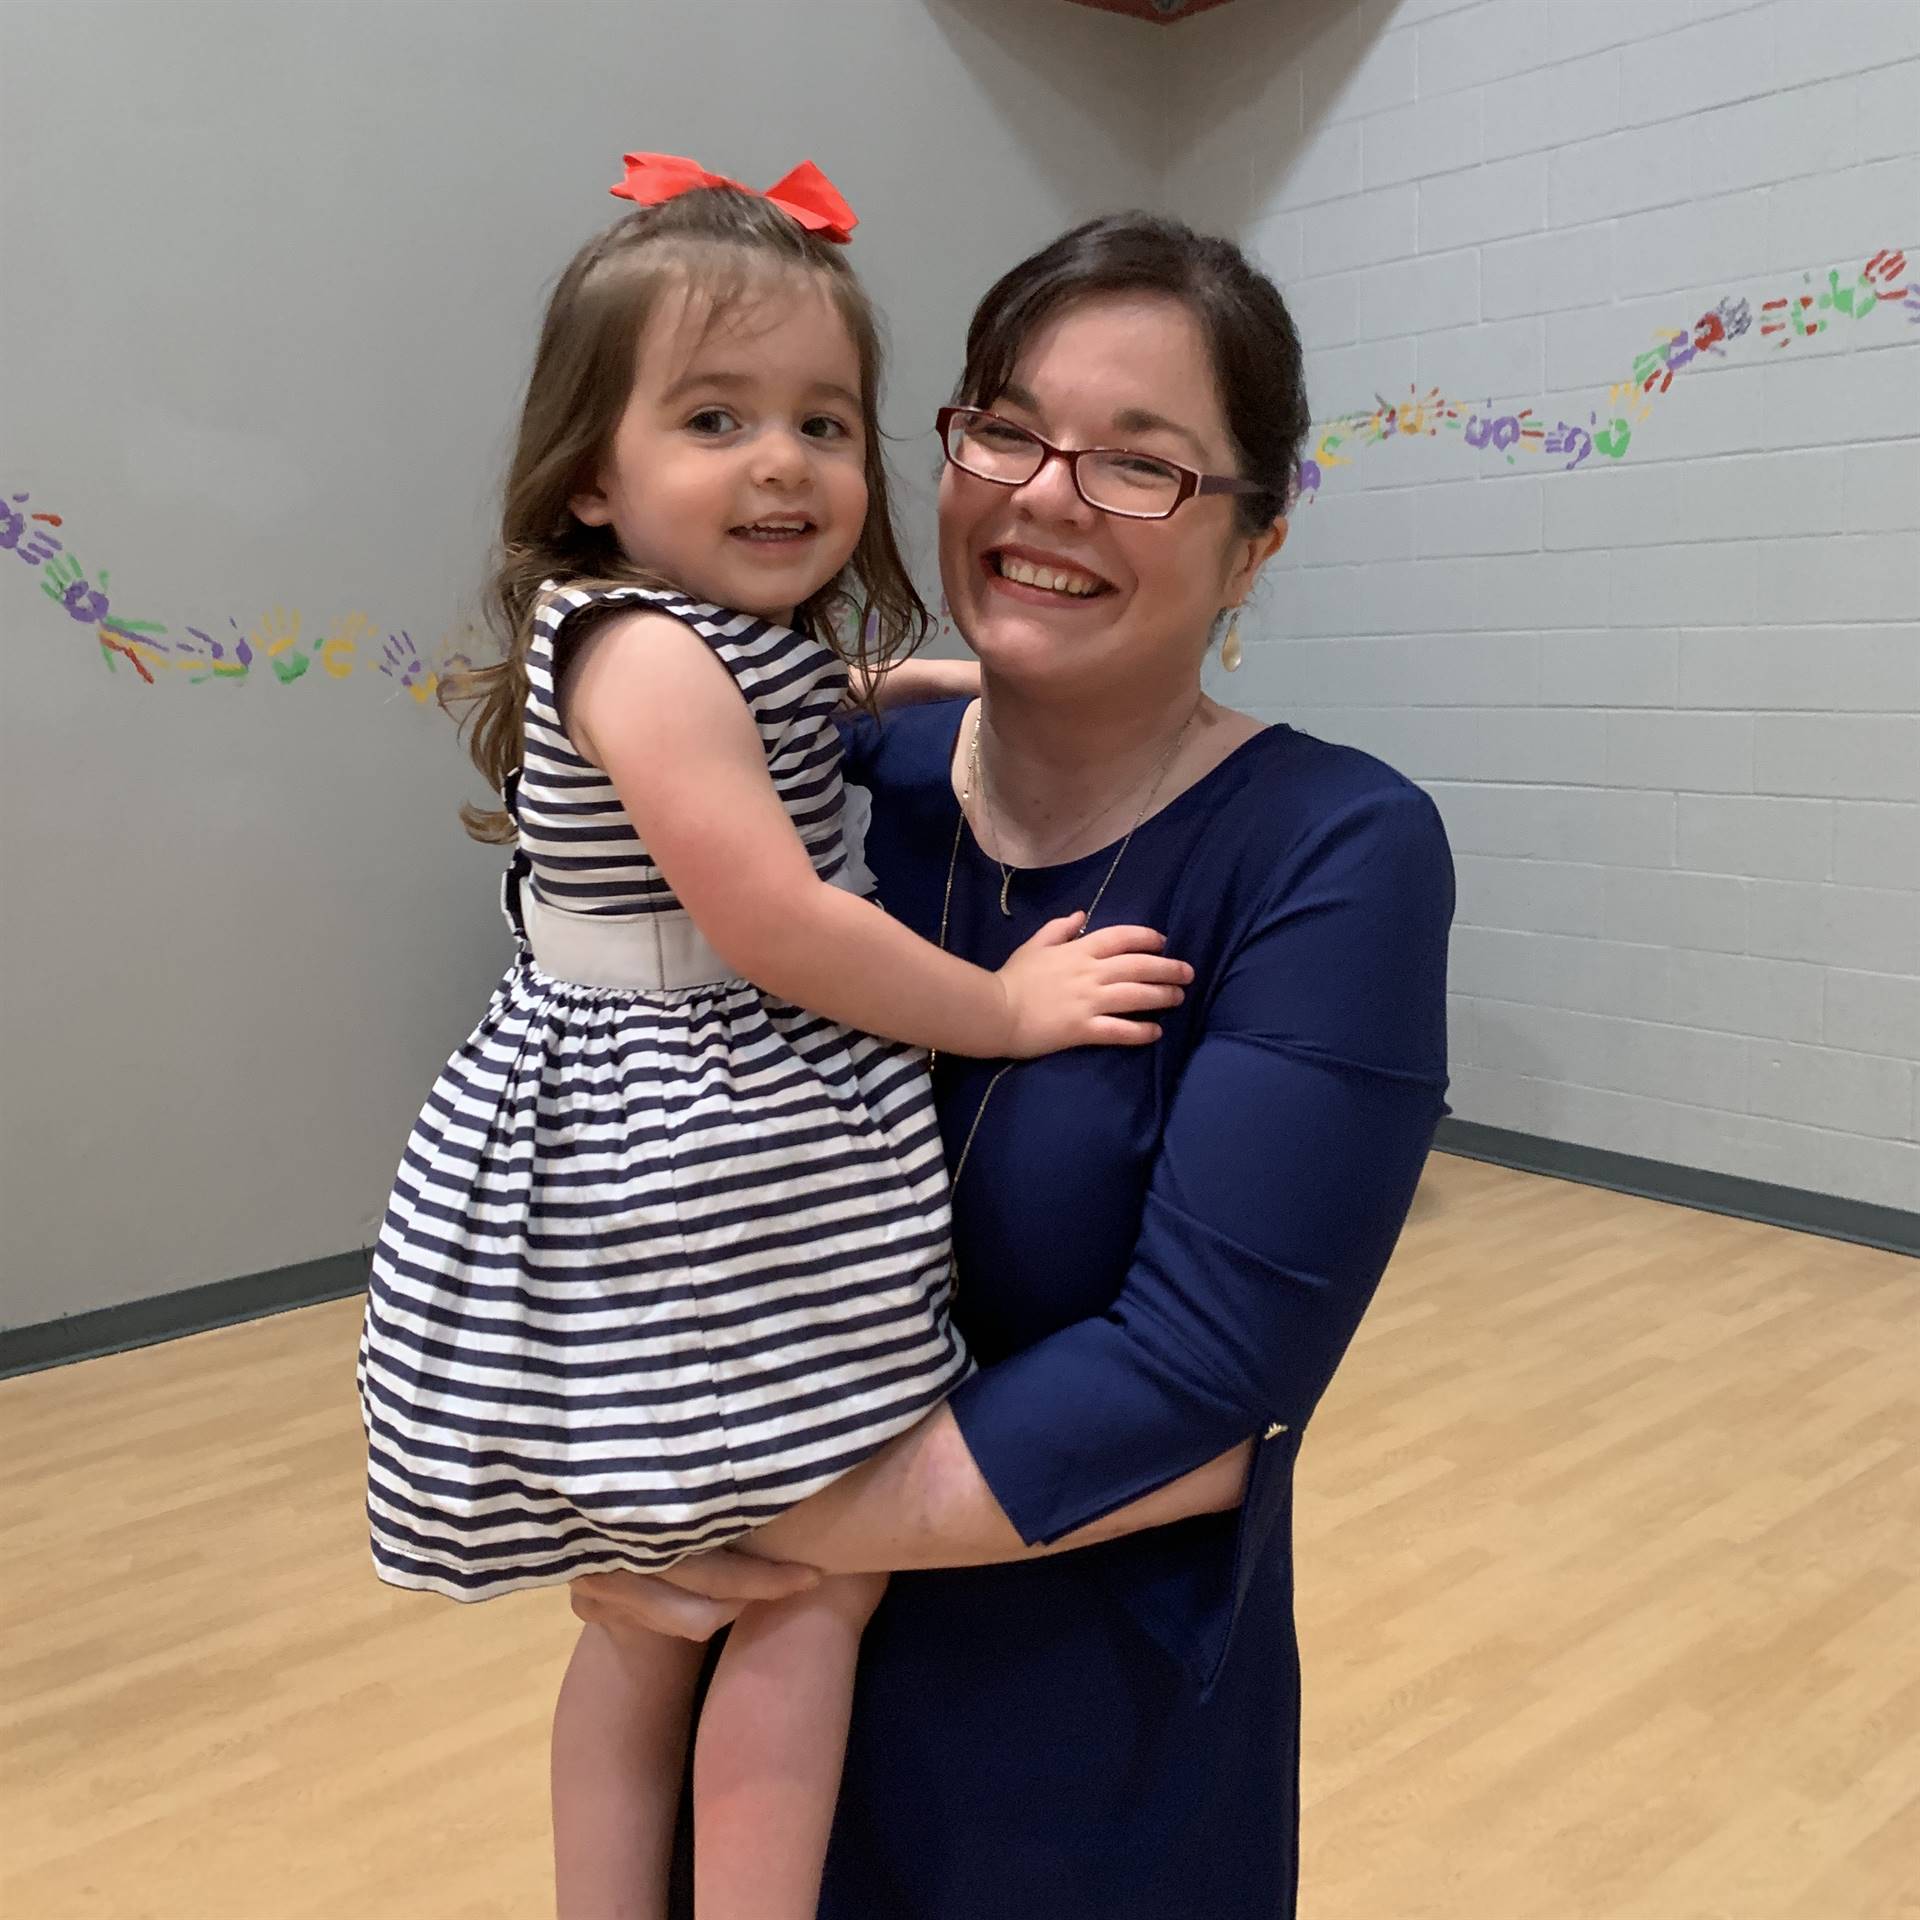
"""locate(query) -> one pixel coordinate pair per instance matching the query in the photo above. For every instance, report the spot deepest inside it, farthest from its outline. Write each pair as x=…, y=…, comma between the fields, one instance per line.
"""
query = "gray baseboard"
x=167, y=1316
x=1826, y=1214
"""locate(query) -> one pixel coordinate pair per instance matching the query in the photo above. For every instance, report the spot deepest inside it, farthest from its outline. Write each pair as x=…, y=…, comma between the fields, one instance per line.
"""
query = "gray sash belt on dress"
x=655, y=952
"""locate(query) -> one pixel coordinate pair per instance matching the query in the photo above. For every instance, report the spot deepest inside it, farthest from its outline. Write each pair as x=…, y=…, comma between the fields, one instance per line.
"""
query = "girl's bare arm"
x=646, y=701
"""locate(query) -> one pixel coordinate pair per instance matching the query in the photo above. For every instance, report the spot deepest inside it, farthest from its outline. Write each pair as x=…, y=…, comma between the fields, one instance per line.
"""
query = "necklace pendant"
x=1006, y=881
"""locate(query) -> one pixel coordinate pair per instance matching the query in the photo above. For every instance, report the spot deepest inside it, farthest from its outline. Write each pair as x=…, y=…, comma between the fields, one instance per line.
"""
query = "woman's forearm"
x=912, y=683
x=922, y=1502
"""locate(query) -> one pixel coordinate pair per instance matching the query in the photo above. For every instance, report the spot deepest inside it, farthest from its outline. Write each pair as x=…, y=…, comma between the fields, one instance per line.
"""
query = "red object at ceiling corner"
x=1163, y=13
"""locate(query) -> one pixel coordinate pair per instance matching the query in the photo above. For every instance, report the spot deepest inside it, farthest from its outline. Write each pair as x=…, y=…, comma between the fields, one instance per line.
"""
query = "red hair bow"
x=805, y=195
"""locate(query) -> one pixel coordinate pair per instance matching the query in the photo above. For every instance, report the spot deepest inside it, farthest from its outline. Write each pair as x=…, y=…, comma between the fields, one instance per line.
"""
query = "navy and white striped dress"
x=657, y=1264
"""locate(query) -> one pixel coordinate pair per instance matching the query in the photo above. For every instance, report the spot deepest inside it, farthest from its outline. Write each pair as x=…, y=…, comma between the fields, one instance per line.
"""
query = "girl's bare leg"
x=619, y=1749
x=771, y=1744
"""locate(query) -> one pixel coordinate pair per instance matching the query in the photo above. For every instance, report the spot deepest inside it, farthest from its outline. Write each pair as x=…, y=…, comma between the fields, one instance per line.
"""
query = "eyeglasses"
x=1136, y=486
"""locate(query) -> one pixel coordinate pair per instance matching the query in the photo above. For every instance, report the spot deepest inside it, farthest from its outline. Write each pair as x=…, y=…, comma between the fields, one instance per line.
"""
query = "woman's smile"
x=1040, y=578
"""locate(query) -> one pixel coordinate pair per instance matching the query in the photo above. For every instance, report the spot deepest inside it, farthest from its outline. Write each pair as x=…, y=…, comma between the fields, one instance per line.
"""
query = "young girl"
x=667, y=1251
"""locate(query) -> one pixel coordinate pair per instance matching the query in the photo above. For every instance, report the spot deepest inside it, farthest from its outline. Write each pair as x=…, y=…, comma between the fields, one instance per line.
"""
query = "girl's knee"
x=854, y=1596
x=841, y=1603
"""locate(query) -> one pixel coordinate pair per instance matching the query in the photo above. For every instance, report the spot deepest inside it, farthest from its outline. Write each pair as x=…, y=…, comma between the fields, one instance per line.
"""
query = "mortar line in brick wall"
x=1682, y=1026
x=1614, y=46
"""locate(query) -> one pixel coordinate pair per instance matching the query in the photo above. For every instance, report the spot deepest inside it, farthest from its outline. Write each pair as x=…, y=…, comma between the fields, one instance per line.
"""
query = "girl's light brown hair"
x=725, y=243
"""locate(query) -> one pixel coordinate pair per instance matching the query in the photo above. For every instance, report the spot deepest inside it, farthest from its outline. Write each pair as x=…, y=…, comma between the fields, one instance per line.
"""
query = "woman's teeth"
x=1024, y=573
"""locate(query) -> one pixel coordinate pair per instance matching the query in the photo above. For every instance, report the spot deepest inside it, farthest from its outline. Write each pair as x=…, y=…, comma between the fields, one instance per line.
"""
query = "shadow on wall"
x=1067, y=82
x=1246, y=91
x=1210, y=114
x=1333, y=41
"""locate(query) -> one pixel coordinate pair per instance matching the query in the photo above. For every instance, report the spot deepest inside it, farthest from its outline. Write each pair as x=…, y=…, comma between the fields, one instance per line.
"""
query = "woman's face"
x=1139, y=597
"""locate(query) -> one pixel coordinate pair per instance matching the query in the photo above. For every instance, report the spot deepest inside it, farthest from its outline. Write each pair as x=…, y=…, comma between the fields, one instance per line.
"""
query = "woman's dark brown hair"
x=1256, y=352
x=727, y=244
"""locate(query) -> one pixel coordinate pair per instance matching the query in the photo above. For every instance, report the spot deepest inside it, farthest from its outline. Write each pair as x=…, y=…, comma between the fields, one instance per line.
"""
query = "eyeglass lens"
x=1117, y=481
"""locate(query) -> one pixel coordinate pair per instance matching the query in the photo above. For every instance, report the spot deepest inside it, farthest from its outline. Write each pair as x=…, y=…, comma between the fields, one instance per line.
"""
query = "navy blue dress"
x=1162, y=1252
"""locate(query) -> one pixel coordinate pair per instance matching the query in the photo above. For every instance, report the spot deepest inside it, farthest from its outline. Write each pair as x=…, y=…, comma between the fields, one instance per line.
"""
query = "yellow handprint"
x=342, y=643
x=1626, y=398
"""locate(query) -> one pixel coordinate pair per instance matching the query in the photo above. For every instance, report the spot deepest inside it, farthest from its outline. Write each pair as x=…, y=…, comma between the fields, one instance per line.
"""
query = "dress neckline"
x=1272, y=730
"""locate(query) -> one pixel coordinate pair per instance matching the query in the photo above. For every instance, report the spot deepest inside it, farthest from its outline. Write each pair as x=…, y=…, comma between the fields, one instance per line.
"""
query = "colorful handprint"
x=34, y=544
x=276, y=638
x=341, y=644
x=203, y=657
x=400, y=660
x=64, y=580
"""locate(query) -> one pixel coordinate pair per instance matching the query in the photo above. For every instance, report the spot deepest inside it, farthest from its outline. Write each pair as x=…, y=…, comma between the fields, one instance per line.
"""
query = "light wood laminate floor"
x=1609, y=1601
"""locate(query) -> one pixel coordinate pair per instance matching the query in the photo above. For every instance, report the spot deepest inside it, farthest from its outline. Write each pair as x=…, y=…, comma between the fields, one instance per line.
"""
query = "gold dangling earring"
x=1230, y=654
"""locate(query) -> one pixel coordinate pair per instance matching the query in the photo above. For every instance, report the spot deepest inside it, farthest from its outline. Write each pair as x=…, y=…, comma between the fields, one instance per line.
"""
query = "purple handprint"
x=218, y=659
x=34, y=544
x=1574, y=440
x=67, y=583
x=400, y=660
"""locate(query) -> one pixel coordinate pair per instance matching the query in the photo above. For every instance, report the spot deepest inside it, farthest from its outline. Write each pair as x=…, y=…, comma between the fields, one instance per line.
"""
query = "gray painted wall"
x=271, y=276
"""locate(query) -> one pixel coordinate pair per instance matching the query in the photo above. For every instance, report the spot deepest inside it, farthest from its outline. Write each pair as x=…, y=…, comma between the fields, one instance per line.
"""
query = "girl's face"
x=1139, y=597
x=737, y=470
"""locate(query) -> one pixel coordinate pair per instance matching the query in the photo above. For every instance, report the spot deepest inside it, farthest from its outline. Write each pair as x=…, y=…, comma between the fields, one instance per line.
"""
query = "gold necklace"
x=976, y=780
x=946, y=911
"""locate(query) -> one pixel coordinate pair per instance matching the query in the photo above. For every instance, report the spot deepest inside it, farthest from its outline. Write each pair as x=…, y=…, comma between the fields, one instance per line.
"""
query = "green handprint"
x=277, y=637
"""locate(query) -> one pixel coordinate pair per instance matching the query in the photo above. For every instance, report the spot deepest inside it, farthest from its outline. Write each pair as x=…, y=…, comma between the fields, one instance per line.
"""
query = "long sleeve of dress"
x=1296, y=1134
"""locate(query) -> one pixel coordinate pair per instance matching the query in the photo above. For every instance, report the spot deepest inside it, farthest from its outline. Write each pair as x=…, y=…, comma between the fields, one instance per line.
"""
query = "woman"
x=1162, y=1253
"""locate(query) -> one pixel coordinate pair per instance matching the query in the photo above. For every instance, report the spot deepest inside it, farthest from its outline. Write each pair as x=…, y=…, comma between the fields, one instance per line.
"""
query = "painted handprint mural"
x=351, y=646
x=1843, y=296
x=279, y=638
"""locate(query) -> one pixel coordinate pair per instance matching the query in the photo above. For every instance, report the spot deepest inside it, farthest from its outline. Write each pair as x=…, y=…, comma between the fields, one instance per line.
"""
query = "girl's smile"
x=737, y=470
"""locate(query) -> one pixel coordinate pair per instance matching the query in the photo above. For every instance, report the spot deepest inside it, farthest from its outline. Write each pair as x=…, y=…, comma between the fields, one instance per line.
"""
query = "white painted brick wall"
x=1419, y=295
x=1668, y=702
x=1877, y=928
x=1736, y=993
x=1876, y=845
x=1865, y=1010
x=1782, y=839
x=1610, y=667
